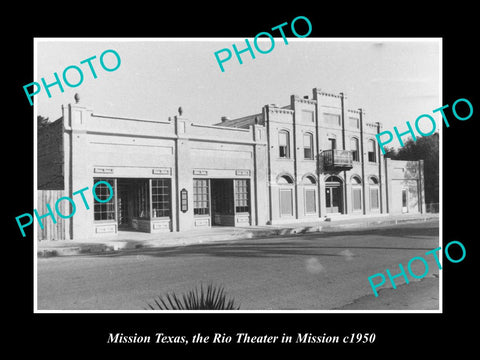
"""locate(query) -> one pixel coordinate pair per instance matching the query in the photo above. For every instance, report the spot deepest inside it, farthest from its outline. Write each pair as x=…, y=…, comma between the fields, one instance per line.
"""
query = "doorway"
x=223, y=203
x=133, y=203
x=333, y=195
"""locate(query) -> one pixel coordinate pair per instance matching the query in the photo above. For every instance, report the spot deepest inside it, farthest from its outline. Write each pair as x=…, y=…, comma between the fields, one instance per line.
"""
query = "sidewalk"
x=128, y=240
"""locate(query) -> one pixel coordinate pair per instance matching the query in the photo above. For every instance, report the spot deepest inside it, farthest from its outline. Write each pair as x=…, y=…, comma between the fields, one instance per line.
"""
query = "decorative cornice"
x=280, y=110
x=328, y=94
x=132, y=119
x=305, y=101
x=373, y=125
x=219, y=127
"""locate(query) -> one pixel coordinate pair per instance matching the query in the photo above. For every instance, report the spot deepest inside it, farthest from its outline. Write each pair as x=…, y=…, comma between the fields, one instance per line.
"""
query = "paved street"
x=318, y=271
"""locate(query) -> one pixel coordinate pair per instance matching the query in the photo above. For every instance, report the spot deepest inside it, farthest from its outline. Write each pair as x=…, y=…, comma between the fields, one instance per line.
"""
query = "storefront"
x=137, y=204
x=221, y=202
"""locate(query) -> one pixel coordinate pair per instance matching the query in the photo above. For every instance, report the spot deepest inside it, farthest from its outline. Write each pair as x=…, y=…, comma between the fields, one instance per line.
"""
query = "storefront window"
x=241, y=196
x=142, y=204
x=160, y=197
x=201, y=197
x=104, y=210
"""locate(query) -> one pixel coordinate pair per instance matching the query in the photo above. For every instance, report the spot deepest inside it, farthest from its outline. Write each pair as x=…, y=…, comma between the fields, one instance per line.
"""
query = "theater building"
x=309, y=160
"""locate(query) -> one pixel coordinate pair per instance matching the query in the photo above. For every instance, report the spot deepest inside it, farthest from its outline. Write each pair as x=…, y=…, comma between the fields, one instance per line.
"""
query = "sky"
x=393, y=80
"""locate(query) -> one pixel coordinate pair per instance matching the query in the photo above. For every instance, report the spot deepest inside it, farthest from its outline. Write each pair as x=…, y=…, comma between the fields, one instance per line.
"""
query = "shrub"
x=212, y=297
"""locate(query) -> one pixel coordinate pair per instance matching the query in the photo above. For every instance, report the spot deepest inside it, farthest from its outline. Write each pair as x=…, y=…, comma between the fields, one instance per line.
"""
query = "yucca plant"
x=212, y=297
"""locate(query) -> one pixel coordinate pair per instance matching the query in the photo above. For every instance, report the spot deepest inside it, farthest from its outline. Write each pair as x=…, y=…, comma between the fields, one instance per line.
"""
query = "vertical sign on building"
x=184, y=200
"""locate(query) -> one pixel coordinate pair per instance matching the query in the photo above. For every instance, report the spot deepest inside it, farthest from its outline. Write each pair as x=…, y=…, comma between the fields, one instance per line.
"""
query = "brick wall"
x=50, y=157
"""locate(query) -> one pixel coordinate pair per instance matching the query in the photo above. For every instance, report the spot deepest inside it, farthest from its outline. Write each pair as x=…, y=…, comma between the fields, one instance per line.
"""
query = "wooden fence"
x=51, y=231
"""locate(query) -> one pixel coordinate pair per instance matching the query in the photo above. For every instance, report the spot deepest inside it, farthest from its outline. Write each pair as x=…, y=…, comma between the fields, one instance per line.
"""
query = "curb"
x=117, y=246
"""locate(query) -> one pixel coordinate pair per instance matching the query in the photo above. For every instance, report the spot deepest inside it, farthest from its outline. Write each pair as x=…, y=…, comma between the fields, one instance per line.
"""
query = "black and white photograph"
x=299, y=181
x=168, y=178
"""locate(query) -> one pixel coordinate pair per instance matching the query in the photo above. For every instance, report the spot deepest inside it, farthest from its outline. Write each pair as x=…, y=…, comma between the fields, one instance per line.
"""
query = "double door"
x=333, y=199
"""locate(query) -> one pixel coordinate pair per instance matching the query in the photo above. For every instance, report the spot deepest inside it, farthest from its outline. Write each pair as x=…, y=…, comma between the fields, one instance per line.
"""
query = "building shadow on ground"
x=286, y=245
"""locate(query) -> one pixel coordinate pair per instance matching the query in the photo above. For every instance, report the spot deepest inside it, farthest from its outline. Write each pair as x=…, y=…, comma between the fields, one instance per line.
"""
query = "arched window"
x=333, y=179
x=354, y=149
x=307, y=146
x=309, y=180
x=284, y=144
x=285, y=180
x=374, y=193
x=356, y=180
x=372, y=180
x=285, y=195
x=356, y=193
x=309, y=194
x=372, y=151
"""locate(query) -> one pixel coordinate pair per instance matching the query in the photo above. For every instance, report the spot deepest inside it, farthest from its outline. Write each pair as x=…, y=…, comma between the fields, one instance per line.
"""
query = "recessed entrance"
x=132, y=203
x=143, y=204
x=222, y=202
x=333, y=195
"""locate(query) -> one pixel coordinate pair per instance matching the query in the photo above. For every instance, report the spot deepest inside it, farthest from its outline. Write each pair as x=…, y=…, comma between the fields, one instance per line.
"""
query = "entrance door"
x=333, y=195
x=222, y=202
x=333, y=199
x=404, y=201
x=133, y=204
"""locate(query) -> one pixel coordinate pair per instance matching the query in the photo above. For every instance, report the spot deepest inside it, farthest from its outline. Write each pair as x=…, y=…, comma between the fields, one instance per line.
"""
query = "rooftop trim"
x=221, y=127
x=305, y=101
x=329, y=94
x=280, y=110
x=131, y=119
x=373, y=125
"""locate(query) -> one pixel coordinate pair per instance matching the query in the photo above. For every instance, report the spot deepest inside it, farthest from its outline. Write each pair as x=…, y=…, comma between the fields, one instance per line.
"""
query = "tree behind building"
x=425, y=148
